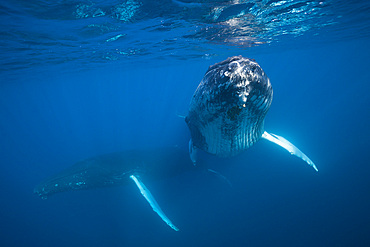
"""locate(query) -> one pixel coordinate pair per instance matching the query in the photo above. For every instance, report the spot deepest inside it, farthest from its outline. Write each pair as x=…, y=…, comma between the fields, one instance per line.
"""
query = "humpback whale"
x=120, y=168
x=226, y=117
x=227, y=111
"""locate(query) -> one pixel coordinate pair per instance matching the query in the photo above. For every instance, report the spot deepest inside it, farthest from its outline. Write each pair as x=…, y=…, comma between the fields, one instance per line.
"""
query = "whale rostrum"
x=227, y=111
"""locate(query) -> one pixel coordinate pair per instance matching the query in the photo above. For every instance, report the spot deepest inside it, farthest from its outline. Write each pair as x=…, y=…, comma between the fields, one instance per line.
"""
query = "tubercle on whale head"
x=59, y=184
x=237, y=82
x=46, y=189
x=40, y=193
x=43, y=190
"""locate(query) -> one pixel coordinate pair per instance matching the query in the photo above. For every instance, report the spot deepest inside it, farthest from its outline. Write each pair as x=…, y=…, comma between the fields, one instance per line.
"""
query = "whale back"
x=115, y=169
x=227, y=110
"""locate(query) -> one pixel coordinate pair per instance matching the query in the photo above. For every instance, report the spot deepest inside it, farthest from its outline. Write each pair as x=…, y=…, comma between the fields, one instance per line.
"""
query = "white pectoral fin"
x=219, y=175
x=284, y=143
x=193, y=152
x=153, y=203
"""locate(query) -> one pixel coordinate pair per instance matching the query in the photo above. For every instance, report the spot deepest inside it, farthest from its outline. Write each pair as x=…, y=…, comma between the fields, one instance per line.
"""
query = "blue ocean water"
x=85, y=78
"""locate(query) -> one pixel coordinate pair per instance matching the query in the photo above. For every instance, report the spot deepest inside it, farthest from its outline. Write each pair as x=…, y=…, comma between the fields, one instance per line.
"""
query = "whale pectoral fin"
x=152, y=202
x=220, y=176
x=180, y=115
x=284, y=143
x=193, y=152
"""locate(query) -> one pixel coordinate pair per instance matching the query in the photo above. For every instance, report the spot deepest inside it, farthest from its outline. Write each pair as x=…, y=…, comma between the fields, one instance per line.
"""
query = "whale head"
x=227, y=110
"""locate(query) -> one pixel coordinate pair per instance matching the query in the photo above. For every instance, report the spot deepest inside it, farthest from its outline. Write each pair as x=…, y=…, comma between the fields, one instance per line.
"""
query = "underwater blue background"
x=60, y=104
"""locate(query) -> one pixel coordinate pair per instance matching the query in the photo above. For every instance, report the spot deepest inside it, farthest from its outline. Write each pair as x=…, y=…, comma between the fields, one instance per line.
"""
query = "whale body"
x=120, y=168
x=227, y=111
x=226, y=117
